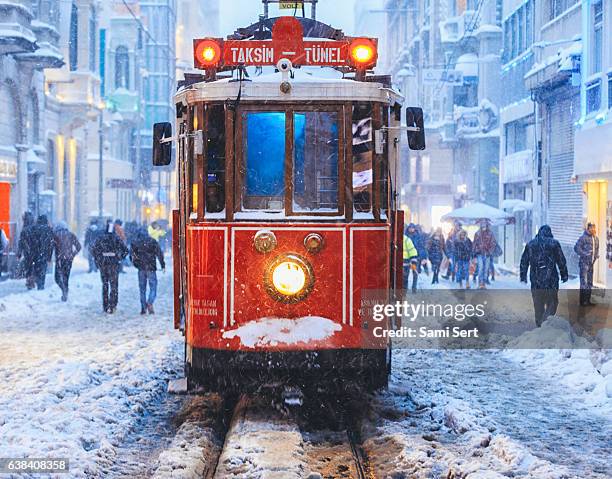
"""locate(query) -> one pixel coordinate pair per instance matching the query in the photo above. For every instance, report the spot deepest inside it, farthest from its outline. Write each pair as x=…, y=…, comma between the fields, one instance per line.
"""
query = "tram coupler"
x=292, y=396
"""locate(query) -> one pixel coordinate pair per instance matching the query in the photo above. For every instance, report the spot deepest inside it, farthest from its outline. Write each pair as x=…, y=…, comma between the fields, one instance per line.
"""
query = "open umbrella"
x=478, y=212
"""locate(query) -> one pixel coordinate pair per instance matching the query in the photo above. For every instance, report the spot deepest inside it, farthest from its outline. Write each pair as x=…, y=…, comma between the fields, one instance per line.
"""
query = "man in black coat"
x=40, y=247
x=108, y=252
x=587, y=249
x=23, y=250
x=67, y=246
x=144, y=253
x=545, y=260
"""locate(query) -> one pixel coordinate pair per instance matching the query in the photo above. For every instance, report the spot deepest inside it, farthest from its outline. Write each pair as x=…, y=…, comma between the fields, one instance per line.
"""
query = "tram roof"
x=304, y=87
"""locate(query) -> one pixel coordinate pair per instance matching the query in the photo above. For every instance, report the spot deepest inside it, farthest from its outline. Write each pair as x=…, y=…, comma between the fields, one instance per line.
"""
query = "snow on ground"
x=586, y=369
x=475, y=414
x=76, y=380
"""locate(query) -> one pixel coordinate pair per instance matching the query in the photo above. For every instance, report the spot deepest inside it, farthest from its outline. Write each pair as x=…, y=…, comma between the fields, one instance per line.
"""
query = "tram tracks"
x=263, y=441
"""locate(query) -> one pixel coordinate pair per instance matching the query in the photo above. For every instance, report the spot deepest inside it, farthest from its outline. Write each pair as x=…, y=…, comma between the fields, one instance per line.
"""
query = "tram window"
x=215, y=159
x=315, y=161
x=264, y=153
x=362, y=157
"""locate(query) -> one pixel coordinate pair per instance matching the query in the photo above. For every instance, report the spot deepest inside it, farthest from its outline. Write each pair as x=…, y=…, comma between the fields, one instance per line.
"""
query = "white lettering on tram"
x=319, y=54
x=248, y=55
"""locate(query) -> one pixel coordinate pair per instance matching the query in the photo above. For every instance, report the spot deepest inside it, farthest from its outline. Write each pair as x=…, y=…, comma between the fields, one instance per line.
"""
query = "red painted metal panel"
x=225, y=267
x=177, y=267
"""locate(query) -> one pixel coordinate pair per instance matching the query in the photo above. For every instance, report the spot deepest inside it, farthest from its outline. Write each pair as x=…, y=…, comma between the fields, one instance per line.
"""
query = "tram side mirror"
x=416, y=128
x=162, y=152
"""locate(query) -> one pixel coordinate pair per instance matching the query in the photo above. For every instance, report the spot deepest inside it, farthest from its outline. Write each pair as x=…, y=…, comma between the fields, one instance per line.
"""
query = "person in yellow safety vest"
x=158, y=234
x=411, y=256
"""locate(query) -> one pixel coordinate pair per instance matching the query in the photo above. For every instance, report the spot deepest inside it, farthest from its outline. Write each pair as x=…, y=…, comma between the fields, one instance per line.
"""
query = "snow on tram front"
x=288, y=213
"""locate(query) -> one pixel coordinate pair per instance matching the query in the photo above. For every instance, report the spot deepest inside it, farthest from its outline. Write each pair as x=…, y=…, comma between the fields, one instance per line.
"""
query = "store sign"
x=8, y=170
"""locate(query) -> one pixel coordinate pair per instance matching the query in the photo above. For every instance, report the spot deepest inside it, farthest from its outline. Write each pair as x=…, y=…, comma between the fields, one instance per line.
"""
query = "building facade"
x=159, y=86
x=554, y=82
x=28, y=44
x=593, y=144
x=413, y=51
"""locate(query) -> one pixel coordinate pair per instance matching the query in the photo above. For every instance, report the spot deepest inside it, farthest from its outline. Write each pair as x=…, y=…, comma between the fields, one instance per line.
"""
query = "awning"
x=477, y=213
x=593, y=151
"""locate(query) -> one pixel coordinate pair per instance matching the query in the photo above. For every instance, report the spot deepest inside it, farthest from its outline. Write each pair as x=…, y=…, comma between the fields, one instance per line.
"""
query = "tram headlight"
x=363, y=52
x=289, y=278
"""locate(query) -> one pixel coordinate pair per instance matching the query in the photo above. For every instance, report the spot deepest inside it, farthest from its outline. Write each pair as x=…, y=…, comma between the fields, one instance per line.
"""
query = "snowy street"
x=76, y=381
x=91, y=387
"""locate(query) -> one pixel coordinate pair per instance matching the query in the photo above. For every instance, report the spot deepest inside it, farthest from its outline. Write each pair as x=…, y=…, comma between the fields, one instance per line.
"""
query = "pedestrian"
x=122, y=236
x=483, y=249
x=108, y=251
x=24, y=255
x=144, y=253
x=417, y=237
x=410, y=255
x=462, y=249
x=66, y=246
x=435, y=251
x=4, y=244
x=544, y=259
x=40, y=245
x=450, y=242
x=496, y=254
x=91, y=235
x=587, y=249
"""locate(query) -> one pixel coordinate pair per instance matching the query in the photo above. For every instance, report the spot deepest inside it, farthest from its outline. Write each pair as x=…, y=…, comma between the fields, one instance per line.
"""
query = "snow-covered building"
x=159, y=86
x=72, y=108
x=414, y=53
x=518, y=159
x=593, y=145
x=554, y=82
x=28, y=44
x=472, y=44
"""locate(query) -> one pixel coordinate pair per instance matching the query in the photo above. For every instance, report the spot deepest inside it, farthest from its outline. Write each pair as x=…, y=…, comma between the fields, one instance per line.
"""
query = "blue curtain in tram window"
x=299, y=126
x=265, y=154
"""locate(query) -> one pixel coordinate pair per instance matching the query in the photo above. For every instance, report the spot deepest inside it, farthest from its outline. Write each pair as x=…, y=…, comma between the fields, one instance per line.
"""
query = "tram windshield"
x=311, y=185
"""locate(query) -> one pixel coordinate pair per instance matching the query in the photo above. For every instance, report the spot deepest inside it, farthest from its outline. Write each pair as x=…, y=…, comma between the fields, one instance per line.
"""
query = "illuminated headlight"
x=289, y=278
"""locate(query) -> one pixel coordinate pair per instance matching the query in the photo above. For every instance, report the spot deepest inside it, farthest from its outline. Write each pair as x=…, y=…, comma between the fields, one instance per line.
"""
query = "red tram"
x=288, y=206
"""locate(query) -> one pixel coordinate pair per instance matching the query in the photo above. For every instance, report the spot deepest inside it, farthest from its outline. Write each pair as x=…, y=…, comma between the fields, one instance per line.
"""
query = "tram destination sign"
x=287, y=43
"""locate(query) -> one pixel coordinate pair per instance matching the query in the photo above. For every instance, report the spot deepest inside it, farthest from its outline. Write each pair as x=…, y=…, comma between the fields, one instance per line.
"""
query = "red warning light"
x=363, y=52
x=207, y=53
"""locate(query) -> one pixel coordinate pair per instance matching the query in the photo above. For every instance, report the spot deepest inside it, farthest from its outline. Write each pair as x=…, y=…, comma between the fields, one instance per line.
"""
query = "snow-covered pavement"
x=477, y=414
x=76, y=381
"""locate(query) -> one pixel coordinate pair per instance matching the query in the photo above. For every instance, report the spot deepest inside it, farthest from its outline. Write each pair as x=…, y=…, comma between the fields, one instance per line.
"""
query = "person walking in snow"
x=108, y=251
x=462, y=248
x=483, y=248
x=587, y=249
x=91, y=235
x=435, y=251
x=410, y=255
x=544, y=259
x=66, y=246
x=120, y=232
x=417, y=238
x=23, y=250
x=4, y=244
x=450, y=243
x=40, y=246
x=144, y=253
